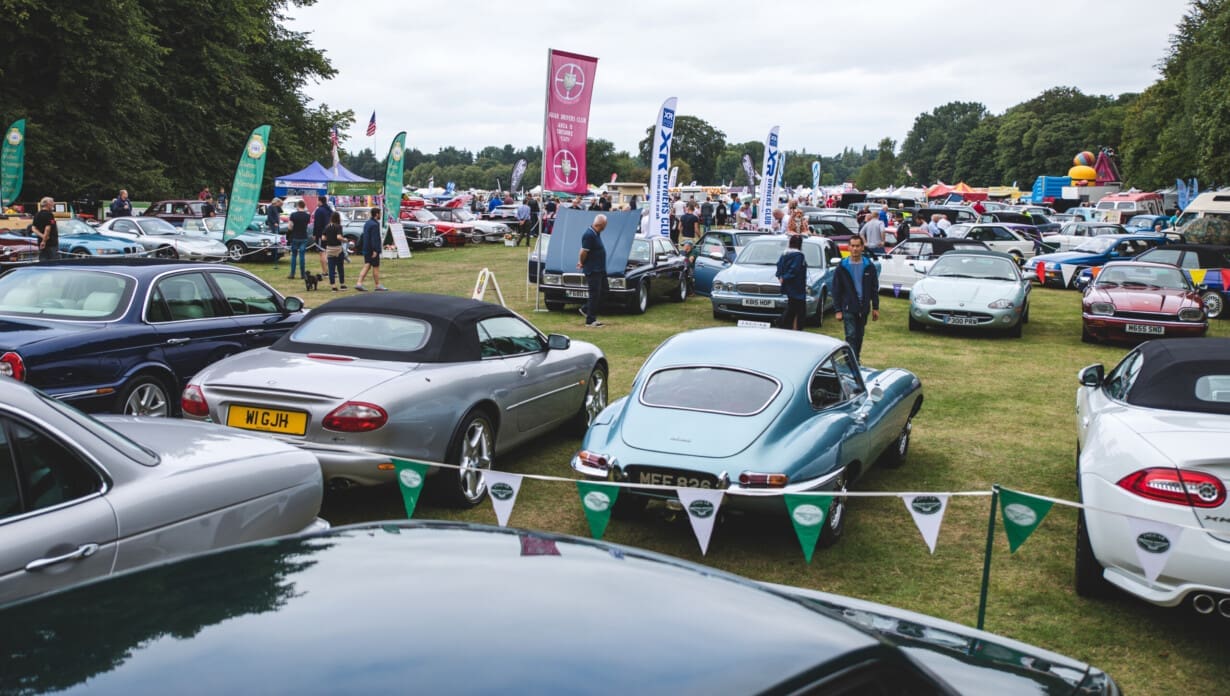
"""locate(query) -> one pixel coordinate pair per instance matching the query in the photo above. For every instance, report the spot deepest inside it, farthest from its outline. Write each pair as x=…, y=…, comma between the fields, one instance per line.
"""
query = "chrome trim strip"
x=541, y=396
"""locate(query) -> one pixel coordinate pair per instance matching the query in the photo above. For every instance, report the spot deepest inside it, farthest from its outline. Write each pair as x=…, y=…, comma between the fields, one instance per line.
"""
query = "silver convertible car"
x=81, y=498
x=427, y=377
x=971, y=289
x=755, y=412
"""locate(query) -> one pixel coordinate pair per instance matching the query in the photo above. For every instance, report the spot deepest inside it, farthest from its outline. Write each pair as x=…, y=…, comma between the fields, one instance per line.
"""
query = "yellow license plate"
x=267, y=420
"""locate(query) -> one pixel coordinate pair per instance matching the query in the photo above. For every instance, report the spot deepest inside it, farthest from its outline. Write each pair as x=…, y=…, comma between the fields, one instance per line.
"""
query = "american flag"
x=371, y=125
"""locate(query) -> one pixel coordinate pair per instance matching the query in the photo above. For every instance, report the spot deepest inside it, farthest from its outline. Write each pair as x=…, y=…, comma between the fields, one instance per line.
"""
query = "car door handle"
x=523, y=371
x=177, y=341
x=83, y=551
x=254, y=332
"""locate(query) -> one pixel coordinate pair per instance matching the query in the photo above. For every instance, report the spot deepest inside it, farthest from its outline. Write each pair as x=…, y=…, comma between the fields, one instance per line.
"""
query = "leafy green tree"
x=932, y=146
x=363, y=163
x=976, y=157
x=693, y=140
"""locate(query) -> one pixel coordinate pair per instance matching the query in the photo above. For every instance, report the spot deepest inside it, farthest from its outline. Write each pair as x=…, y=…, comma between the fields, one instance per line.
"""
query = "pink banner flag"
x=570, y=81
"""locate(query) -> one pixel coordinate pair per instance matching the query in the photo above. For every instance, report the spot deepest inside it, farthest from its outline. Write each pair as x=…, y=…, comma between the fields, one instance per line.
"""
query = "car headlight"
x=266, y=242
x=722, y=286
x=811, y=292
x=617, y=283
x=1102, y=309
x=551, y=279
x=1191, y=314
x=922, y=299
x=1000, y=304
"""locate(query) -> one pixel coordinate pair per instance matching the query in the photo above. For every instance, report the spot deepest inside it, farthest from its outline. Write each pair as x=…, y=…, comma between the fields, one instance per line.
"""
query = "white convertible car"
x=1153, y=461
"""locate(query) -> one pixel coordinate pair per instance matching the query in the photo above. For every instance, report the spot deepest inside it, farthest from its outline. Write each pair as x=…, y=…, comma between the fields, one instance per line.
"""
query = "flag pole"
x=986, y=558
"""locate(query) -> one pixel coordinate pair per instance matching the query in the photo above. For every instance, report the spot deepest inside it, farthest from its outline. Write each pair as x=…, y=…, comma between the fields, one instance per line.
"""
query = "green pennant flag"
x=410, y=478
x=246, y=187
x=597, y=499
x=1022, y=514
x=807, y=513
x=394, y=172
x=12, y=162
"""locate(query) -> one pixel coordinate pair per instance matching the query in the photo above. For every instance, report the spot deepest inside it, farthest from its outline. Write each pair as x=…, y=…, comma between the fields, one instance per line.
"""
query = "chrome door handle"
x=254, y=332
x=177, y=341
x=83, y=551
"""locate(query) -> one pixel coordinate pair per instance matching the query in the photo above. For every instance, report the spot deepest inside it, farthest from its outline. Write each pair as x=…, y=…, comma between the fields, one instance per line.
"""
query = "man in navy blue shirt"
x=592, y=263
x=856, y=293
x=792, y=273
x=370, y=246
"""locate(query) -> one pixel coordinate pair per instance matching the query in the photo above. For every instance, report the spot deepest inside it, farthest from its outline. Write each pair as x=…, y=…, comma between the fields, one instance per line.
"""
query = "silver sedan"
x=162, y=239
x=370, y=377
x=82, y=498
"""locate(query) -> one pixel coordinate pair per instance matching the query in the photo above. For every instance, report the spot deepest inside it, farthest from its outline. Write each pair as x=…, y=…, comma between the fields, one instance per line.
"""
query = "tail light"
x=751, y=479
x=193, y=401
x=592, y=459
x=355, y=417
x=1166, y=485
x=11, y=365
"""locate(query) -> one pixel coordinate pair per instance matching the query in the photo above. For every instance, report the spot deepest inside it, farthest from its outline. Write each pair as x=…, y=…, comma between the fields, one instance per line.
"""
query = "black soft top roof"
x=453, y=335
x=1170, y=368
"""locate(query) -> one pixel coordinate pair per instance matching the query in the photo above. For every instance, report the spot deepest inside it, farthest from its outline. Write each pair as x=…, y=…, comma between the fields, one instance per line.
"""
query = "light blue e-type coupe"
x=755, y=412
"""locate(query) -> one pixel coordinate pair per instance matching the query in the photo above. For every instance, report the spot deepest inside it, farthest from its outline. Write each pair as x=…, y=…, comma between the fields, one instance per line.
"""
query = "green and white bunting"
x=928, y=513
x=246, y=187
x=597, y=499
x=12, y=162
x=1022, y=514
x=1154, y=542
x=807, y=513
x=702, y=506
x=410, y=479
x=503, y=488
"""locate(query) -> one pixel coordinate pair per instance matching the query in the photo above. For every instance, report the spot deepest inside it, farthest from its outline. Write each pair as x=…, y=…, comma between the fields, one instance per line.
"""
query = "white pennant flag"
x=503, y=488
x=1153, y=543
x=928, y=514
x=702, y=506
x=1068, y=271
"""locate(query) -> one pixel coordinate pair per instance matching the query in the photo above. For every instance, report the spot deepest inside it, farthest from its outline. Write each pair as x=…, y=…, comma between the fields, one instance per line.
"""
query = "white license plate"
x=758, y=302
x=963, y=321
x=583, y=294
x=1145, y=329
x=749, y=323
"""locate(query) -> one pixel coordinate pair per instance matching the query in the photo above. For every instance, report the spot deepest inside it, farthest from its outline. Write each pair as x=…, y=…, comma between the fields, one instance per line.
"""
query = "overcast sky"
x=830, y=74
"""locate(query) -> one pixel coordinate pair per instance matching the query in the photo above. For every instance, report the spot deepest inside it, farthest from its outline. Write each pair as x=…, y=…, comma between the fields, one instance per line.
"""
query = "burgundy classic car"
x=1135, y=300
x=175, y=212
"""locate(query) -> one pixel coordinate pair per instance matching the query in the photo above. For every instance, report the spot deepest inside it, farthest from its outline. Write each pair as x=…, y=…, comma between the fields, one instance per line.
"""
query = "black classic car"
x=249, y=620
x=124, y=336
x=655, y=269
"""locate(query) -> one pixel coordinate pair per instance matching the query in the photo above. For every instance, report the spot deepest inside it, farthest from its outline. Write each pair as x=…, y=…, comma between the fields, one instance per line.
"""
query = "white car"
x=1152, y=443
x=999, y=238
x=1073, y=233
x=908, y=262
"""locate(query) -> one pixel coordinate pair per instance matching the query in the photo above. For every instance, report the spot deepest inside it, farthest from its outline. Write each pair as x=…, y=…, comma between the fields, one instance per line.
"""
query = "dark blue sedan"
x=125, y=336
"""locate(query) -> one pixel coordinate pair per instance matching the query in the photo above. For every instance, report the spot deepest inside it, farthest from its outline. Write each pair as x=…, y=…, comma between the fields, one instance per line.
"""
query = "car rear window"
x=710, y=389
x=65, y=293
x=1215, y=388
x=363, y=330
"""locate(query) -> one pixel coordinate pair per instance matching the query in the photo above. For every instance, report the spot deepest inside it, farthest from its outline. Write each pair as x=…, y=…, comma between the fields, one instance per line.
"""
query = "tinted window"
x=48, y=473
x=357, y=330
x=62, y=293
x=1170, y=256
x=710, y=389
x=501, y=336
x=245, y=295
x=124, y=226
x=1119, y=381
x=183, y=297
x=1214, y=388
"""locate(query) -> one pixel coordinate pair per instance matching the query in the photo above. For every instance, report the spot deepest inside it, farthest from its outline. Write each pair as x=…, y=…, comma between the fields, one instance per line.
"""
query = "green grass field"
x=997, y=410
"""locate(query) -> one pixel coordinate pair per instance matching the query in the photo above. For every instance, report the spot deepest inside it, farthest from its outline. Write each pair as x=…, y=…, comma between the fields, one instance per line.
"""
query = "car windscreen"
x=640, y=252
x=1096, y=245
x=65, y=293
x=1143, y=278
x=1108, y=229
x=73, y=226
x=158, y=226
x=710, y=389
x=766, y=252
x=958, y=265
x=742, y=240
x=363, y=330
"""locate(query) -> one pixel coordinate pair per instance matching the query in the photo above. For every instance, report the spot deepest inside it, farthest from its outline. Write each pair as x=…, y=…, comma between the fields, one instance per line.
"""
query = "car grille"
x=759, y=288
x=575, y=280
x=659, y=476
x=1146, y=316
x=982, y=317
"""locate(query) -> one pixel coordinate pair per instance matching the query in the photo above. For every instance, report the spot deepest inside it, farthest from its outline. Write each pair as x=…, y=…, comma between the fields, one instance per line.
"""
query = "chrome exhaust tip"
x=1204, y=604
x=1223, y=607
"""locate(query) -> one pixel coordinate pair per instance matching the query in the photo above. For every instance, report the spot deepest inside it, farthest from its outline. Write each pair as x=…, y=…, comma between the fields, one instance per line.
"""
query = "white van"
x=1212, y=204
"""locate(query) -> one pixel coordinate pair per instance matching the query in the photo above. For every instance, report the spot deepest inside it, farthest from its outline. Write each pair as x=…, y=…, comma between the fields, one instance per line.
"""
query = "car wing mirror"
x=663, y=258
x=835, y=260
x=293, y=304
x=920, y=269
x=558, y=342
x=1092, y=376
x=717, y=256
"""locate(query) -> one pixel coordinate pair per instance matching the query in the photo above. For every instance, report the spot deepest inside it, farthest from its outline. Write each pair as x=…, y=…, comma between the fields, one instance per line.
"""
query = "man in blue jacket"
x=856, y=293
x=371, y=244
x=792, y=272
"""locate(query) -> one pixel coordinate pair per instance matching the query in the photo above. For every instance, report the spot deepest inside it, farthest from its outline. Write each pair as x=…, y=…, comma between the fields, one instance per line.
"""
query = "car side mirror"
x=920, y=269
x=293, y=304
x=717, y=256
x=1092, y=376
x=663, y=258
x=558, y=342
x=835, y=261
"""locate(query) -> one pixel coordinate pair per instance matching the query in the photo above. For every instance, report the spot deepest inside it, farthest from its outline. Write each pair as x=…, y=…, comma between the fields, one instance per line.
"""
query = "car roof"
x=793, y=352
x=136, y=266
x=982, y=252
x=1171, y=368
x=1215, y=248
x=453, y=336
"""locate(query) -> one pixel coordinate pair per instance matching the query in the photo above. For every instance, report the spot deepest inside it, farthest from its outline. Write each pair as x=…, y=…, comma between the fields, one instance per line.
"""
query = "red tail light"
x=193, y=401
x=751, y=479
x=355, y=417
x=11, y=365
x=1166, y=485
x=597, y=461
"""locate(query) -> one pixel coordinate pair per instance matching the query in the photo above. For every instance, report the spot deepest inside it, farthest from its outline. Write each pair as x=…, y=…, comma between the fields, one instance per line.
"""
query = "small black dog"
x=311, y=280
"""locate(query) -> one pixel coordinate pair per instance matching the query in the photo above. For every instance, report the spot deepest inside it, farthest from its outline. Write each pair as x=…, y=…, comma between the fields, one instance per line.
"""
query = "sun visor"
x=570, y=225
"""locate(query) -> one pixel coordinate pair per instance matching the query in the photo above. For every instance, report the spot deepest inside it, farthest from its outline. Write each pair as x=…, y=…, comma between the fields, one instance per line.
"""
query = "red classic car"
x=1134, y=300
x=453, y=233
x=15, y=248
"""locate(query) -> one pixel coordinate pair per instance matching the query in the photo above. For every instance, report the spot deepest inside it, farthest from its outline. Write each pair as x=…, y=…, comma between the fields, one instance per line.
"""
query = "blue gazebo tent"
x=314, y=178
